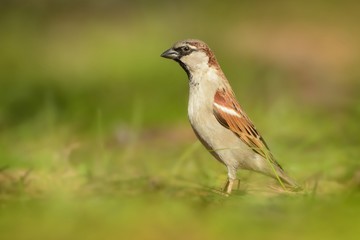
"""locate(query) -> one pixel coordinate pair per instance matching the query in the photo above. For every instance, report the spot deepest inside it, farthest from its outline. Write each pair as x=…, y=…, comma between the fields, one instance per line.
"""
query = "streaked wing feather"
x=229, y=114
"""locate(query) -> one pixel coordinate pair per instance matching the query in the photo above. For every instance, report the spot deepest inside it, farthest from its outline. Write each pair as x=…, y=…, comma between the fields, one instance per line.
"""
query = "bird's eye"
x=186, y=48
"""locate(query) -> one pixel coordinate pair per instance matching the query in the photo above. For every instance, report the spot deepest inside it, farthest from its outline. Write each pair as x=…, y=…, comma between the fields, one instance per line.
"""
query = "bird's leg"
x=231, y=179
x=228, y=186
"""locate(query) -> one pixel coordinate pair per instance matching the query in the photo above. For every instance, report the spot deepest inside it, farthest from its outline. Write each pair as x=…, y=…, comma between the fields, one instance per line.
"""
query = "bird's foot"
x=228, y=186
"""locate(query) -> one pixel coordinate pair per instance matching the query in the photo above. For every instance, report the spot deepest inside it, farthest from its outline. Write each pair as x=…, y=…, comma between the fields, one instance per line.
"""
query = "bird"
x=218, y=120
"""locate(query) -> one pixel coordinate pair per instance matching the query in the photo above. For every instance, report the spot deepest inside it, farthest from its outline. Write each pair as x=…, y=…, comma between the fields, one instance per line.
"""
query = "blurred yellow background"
x=94, y=138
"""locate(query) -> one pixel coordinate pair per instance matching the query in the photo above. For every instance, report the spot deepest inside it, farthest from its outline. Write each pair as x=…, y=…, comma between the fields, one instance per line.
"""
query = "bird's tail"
x=288, y=182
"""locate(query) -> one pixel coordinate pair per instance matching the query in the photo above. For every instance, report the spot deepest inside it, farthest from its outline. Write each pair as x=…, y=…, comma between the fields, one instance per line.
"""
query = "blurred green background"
x=94, y=138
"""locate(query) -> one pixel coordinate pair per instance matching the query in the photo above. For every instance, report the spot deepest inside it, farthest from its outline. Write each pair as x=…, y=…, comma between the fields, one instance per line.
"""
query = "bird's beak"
x=171, y=54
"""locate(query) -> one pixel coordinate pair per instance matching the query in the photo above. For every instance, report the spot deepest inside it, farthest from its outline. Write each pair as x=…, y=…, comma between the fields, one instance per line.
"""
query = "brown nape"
x=212, y=60
x=202, y=46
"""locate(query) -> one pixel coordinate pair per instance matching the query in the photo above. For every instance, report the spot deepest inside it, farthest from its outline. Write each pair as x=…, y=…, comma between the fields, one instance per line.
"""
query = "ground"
x=94, y=138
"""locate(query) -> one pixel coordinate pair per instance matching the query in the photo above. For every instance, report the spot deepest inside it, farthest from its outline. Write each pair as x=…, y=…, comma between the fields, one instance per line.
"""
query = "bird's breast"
x=200, y=111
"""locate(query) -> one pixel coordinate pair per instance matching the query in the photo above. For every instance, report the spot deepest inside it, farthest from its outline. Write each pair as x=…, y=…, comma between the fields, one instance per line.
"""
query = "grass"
x=94, y=141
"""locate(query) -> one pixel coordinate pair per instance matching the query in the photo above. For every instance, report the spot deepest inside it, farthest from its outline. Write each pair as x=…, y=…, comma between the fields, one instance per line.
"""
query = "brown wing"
x=229, y=114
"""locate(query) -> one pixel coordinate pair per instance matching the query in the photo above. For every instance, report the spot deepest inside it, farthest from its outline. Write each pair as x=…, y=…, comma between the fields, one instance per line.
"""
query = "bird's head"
x=193, y=55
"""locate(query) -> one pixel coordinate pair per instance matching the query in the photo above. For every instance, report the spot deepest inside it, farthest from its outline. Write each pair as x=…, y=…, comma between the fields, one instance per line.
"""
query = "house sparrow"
x=217, y=118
